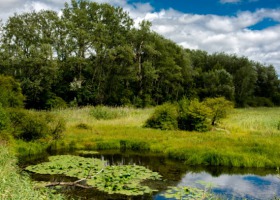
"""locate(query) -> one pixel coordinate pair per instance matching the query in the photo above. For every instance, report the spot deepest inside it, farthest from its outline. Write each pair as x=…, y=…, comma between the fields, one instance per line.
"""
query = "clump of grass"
x=83, y=126
x=15, y=185
x=24, y=148
x=107, y=113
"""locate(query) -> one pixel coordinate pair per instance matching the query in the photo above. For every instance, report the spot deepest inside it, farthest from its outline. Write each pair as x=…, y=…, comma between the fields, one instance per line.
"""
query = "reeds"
x=247, y=138
x=16, y=185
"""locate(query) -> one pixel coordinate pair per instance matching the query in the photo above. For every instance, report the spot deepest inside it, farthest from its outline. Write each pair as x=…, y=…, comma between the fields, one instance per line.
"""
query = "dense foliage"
x=93, y=54
x=11, y=94
x=190, y=115
x=164, y=117
x=30, y=125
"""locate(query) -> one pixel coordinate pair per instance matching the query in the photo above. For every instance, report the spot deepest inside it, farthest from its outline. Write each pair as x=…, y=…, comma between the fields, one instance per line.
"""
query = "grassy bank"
x=15, y=185
x=247, y=138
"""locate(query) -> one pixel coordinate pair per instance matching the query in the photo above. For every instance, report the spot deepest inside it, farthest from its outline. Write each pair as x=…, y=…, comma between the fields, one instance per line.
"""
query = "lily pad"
x=73, y=166
x=125, y=179
x=187, y=193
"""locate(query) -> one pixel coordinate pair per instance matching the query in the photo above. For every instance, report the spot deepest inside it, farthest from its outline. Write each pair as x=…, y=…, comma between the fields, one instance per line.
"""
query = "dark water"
x=231, y=183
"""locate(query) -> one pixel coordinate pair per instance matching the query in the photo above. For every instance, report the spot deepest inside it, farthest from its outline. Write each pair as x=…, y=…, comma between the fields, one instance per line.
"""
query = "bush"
x=164, y=117
x=189, y=115
x=194, y=116
x=10, y=95
x=30, y=126
x=55, y=103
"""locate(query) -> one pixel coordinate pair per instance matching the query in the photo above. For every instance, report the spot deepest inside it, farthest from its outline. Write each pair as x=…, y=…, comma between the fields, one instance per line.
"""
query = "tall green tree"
x=28, y=41
x=97, y=34
x=217, y=83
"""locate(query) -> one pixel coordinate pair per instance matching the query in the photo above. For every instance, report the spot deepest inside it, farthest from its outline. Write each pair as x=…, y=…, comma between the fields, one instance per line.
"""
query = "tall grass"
x=247, y=138
x=106, y=113
x=14, y=184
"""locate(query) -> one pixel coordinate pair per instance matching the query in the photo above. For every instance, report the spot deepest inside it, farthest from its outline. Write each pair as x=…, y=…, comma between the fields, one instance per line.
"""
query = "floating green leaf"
x=125, y=179
x=187, y=193
x=73, y=166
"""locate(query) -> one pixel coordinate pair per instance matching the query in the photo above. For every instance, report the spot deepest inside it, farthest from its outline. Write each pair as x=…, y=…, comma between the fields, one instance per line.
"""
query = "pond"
x=229, y=183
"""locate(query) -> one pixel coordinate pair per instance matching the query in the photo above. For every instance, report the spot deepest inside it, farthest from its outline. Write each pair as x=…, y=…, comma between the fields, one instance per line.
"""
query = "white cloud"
x=230, y=34
x=213, y=33
x=238, y=185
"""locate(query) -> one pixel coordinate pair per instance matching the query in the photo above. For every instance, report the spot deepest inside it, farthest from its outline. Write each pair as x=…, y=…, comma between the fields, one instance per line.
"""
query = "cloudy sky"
x=239, y=186
x=245, y=27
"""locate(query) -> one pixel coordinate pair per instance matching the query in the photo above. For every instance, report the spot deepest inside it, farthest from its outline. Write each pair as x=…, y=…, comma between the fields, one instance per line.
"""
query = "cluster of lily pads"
x=125, y=179
x=187, y=193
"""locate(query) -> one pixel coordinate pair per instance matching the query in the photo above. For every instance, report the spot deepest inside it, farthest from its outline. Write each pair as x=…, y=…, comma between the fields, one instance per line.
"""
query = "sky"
x=248, y=28
x=240, y=186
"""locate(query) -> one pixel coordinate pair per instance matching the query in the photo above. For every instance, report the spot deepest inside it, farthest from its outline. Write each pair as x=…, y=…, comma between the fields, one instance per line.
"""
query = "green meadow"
x=246, y=138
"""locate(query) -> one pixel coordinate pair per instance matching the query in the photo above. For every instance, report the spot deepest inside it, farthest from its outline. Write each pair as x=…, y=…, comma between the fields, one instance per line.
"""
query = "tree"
x=267, y=84
x=219, y=108
x=99, y=62
x=28, y=43
x=11, y=95
x=217, y=83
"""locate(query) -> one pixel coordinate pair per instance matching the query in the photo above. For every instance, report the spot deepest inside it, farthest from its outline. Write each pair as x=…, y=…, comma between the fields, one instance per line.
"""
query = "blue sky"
x=248, y=28
x=211, y=6
x=216, y=7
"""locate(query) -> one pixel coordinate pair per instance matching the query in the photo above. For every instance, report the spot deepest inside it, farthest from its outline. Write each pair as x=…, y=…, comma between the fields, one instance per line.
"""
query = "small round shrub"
x=164, y=117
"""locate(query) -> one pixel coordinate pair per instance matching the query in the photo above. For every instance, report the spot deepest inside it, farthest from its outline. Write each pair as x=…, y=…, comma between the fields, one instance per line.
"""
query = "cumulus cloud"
x=231, y=184
x=213, y=33
x=10, y=7
x=230, y=34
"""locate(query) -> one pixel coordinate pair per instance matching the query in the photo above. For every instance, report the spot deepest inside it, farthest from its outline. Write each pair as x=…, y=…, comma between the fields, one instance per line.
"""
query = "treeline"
x=92, y=54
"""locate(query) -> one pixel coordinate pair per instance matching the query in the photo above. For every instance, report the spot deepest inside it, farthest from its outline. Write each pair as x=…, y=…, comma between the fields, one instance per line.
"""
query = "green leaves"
x=10, y=95
x=68, y=165
x=124, y=179
x=164, y=117
x=186, y=193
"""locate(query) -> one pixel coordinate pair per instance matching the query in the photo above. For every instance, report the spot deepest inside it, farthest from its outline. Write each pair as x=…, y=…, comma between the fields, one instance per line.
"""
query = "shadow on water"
x=240, y=183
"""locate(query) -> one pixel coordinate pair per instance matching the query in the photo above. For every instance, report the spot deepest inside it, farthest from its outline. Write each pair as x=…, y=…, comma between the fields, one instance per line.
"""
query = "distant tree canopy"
x=92, y=54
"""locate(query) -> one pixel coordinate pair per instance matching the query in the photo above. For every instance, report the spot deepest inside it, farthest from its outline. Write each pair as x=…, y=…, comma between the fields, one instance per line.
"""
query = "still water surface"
x=237, y=183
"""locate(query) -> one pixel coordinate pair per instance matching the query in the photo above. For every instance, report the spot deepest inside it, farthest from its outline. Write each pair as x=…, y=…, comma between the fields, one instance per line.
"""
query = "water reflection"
x=237, y=186
x=239, y=183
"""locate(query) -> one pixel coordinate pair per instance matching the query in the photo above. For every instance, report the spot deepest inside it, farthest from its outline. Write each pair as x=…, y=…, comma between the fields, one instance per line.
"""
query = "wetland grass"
x=15, y=185
x=246, y=138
